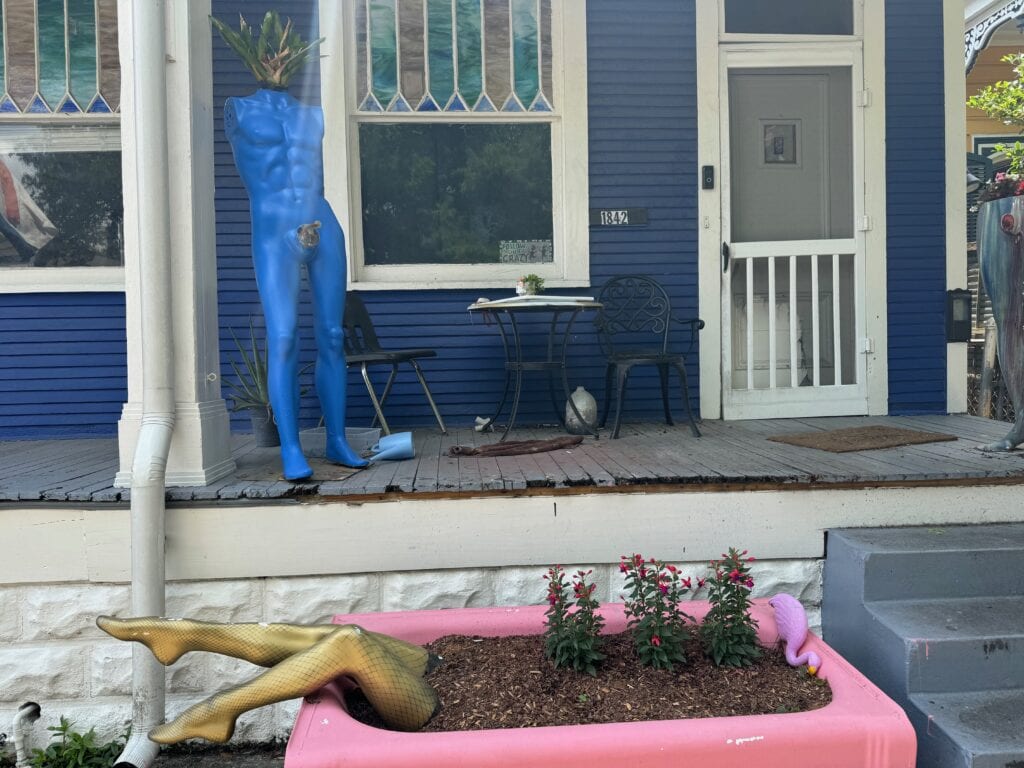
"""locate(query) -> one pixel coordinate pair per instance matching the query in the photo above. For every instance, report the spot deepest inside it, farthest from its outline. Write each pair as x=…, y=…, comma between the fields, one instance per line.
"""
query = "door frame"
x=711, y=46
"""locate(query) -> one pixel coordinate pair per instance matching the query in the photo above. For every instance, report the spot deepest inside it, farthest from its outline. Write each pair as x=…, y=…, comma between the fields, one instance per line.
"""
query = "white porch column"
x=200, y=450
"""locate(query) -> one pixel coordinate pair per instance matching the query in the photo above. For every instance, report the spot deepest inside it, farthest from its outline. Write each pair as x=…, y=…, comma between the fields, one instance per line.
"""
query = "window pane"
x=792, y=17
x=61, y=209
x=453, y=55
x=55, y=60
x=456, y=194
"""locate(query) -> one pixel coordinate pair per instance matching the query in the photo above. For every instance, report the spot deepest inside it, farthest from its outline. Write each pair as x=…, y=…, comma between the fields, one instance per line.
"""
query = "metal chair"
x=363, y=349
x=637, y=311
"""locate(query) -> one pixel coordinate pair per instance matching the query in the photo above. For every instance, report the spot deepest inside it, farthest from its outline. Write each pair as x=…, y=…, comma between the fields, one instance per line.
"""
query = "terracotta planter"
x=860, y=728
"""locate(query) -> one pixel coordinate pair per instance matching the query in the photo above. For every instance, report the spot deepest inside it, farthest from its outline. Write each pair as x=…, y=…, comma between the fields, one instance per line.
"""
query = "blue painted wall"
x=63, y=367
x=643, y=132
x=916, y=206
x=62, y=356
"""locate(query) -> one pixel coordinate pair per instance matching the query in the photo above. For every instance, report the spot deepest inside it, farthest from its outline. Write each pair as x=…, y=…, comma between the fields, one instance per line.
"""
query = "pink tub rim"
x=860, y=727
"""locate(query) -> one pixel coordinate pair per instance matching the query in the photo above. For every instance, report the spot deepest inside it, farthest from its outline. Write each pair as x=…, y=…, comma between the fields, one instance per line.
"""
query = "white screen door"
x=792, y=251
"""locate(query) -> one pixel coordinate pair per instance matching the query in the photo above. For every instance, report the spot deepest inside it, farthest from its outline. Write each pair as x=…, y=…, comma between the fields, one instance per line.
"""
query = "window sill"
x=454, y=285
x=62, y=280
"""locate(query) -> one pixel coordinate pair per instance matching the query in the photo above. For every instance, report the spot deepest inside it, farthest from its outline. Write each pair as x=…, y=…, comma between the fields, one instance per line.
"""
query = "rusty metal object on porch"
x=516, y=447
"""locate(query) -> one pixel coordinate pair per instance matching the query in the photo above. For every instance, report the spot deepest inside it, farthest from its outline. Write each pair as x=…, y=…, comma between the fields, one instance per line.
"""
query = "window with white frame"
x=456, y=139
x=61, y=211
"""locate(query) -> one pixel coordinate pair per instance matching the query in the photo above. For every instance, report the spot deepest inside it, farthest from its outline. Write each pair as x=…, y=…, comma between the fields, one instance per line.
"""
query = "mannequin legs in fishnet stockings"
x=303, y=658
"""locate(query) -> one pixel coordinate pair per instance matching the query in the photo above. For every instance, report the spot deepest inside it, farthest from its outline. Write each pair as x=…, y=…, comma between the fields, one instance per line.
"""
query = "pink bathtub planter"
x=860, y=728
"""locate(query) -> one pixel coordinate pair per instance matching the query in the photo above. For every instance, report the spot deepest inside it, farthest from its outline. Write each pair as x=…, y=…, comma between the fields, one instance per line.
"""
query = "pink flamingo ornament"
x=792, y=623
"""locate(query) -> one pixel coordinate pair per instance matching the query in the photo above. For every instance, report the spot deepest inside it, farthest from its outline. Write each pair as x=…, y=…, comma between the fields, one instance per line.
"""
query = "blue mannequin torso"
x=277, y=142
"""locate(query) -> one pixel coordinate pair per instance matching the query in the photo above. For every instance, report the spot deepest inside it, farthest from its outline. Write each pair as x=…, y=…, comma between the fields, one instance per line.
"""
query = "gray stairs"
x=935, y=617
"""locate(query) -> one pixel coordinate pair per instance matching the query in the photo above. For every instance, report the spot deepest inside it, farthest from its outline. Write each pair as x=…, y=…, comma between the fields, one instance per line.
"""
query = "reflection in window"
x=792, y=17
x=456, y=194
x=61, y=209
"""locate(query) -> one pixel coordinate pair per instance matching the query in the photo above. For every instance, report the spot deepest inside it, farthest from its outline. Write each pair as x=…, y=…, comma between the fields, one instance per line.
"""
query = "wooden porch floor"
x=647, y=454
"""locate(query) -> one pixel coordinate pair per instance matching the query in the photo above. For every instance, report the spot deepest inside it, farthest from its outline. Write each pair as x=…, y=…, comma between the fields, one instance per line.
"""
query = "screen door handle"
x=725, y=257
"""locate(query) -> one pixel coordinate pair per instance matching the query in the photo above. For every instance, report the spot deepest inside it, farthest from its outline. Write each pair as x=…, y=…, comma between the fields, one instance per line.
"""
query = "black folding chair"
x=637, y=311
x=363, y=349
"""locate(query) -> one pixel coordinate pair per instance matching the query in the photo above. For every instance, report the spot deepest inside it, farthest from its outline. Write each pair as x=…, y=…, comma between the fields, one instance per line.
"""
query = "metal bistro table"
x=563, y=311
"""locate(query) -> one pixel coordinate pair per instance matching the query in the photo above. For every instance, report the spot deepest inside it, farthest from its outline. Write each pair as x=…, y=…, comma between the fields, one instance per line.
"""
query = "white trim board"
x=956, y=198
x=68, y=544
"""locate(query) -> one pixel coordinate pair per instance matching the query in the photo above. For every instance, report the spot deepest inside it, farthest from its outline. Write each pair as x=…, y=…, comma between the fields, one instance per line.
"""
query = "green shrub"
x=70, y=749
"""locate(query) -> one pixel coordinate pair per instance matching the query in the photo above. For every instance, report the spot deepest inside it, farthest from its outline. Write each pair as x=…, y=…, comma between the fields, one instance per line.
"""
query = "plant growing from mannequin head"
x=273, y=56
x=1004, y=101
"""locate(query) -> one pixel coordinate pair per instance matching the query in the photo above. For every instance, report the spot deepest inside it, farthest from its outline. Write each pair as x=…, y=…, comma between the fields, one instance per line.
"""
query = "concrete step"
x=969, y=730
x=953, y=645
x=934, y=562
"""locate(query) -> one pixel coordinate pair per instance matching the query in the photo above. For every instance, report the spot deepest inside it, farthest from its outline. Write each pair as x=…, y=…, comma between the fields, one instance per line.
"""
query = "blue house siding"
x=63, y=364
x=916, y=210
x=642, y=91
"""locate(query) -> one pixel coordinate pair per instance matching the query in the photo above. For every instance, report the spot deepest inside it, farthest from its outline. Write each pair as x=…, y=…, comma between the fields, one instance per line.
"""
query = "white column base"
x=200, y=449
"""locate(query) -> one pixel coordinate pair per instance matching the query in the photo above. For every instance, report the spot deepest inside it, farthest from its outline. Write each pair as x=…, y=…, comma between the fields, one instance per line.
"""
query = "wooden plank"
x=448, y=466
x=429, y=453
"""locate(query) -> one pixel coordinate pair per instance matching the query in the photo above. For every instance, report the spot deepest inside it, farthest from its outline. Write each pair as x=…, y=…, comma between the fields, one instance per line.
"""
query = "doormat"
x=861, y=438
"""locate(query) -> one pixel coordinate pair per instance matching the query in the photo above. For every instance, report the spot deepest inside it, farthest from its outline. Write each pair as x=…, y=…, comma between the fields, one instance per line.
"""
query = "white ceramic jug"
x=587, y=407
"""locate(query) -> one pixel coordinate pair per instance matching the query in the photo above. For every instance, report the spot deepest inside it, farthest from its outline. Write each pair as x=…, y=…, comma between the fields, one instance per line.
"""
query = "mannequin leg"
x=328, y=282
x=277, y=275
x=401, y=698
x=262, y=644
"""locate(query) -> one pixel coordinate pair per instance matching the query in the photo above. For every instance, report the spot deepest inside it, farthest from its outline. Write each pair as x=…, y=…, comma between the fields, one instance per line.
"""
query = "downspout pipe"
x=149, y=91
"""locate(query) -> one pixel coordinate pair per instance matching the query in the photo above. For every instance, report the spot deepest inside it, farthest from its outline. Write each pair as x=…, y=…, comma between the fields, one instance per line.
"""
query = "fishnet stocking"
x=302, y=659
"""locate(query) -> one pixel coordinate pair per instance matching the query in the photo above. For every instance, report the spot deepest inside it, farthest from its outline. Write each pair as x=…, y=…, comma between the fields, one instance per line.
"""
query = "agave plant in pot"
x=250, y=391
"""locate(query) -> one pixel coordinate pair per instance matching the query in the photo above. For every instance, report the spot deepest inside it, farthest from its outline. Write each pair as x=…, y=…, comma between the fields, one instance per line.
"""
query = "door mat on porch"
x=861, y=438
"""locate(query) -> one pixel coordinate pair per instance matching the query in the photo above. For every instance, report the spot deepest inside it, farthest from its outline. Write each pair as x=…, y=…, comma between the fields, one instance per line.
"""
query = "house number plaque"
x=617, y=217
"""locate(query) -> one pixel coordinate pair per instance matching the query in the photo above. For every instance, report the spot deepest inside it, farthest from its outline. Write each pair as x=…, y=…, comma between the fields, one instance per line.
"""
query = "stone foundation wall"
x=52, y=653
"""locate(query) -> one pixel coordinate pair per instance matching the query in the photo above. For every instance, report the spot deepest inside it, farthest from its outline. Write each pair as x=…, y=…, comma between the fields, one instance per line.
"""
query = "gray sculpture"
x=1001, y=253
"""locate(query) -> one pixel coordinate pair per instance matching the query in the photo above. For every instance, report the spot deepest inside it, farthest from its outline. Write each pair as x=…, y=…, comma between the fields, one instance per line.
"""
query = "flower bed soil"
x=506, y=682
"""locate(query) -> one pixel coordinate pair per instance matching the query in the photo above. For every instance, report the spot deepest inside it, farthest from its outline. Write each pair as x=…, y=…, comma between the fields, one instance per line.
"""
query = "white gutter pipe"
x=149, y=86
x=27, y=713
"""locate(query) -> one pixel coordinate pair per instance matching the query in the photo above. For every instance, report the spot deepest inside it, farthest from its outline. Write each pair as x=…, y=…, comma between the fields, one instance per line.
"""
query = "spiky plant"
x=251, y=390
x=274, y=55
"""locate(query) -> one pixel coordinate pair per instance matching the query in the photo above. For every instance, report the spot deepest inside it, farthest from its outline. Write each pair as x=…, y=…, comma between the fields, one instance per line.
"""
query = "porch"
x=734, y=455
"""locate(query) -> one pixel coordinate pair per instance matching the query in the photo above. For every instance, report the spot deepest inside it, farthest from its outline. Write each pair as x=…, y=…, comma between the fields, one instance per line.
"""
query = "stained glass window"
x=60, y=180
x=453, y=56
x=59, y=56
x=465, y=135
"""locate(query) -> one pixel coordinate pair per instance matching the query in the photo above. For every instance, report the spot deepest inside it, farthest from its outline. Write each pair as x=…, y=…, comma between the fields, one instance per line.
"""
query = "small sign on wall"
x=618, y=217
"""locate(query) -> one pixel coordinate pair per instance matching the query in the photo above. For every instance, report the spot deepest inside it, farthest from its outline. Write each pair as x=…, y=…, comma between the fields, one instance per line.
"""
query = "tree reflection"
x=453, y=193
x=80, y=193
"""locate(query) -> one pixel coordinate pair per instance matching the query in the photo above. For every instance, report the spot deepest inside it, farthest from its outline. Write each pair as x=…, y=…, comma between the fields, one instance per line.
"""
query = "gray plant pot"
x=264, y=430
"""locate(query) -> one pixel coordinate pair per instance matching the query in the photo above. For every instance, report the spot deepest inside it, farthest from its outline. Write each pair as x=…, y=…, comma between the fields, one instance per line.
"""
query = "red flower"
x=686, y=582
x=655, y=641
x=671, y=568
x=735, y=576
x=663, y=588
x=623, y=568
x=643, y=573
x=701, y=583
x=750, y=583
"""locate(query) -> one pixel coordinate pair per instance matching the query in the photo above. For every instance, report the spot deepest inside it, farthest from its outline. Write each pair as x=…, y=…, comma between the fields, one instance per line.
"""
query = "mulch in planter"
x=506, y=682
